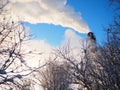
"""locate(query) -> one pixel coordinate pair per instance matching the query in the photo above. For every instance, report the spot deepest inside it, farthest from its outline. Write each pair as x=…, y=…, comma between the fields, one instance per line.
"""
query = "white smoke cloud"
x=47, y=11
x=75, y=43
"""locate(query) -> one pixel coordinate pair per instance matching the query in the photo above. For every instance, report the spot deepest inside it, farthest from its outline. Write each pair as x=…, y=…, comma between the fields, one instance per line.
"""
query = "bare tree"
x=110, y=58
x=55, y=76
x=98, y=71
x=115, y=3
x=12, y=63
x=79, y=71
x=12, y=36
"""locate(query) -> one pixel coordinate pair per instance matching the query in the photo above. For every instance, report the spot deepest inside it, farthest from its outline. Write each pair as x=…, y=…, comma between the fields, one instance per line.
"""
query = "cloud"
x=55, y=12
x=40, y=52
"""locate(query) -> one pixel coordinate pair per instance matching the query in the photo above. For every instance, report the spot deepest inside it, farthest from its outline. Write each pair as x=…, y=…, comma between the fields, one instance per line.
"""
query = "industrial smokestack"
x=91, y=43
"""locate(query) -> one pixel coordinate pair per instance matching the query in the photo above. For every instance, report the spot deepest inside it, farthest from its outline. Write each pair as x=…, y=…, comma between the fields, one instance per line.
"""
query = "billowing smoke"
x=55, y=12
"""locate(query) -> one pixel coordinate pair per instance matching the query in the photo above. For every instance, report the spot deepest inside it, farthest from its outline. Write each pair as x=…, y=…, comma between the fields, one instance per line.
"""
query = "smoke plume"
x=55, y=12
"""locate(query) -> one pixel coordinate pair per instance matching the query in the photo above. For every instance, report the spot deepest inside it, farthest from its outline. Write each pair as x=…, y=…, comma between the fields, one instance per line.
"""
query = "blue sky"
x=96, y=13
